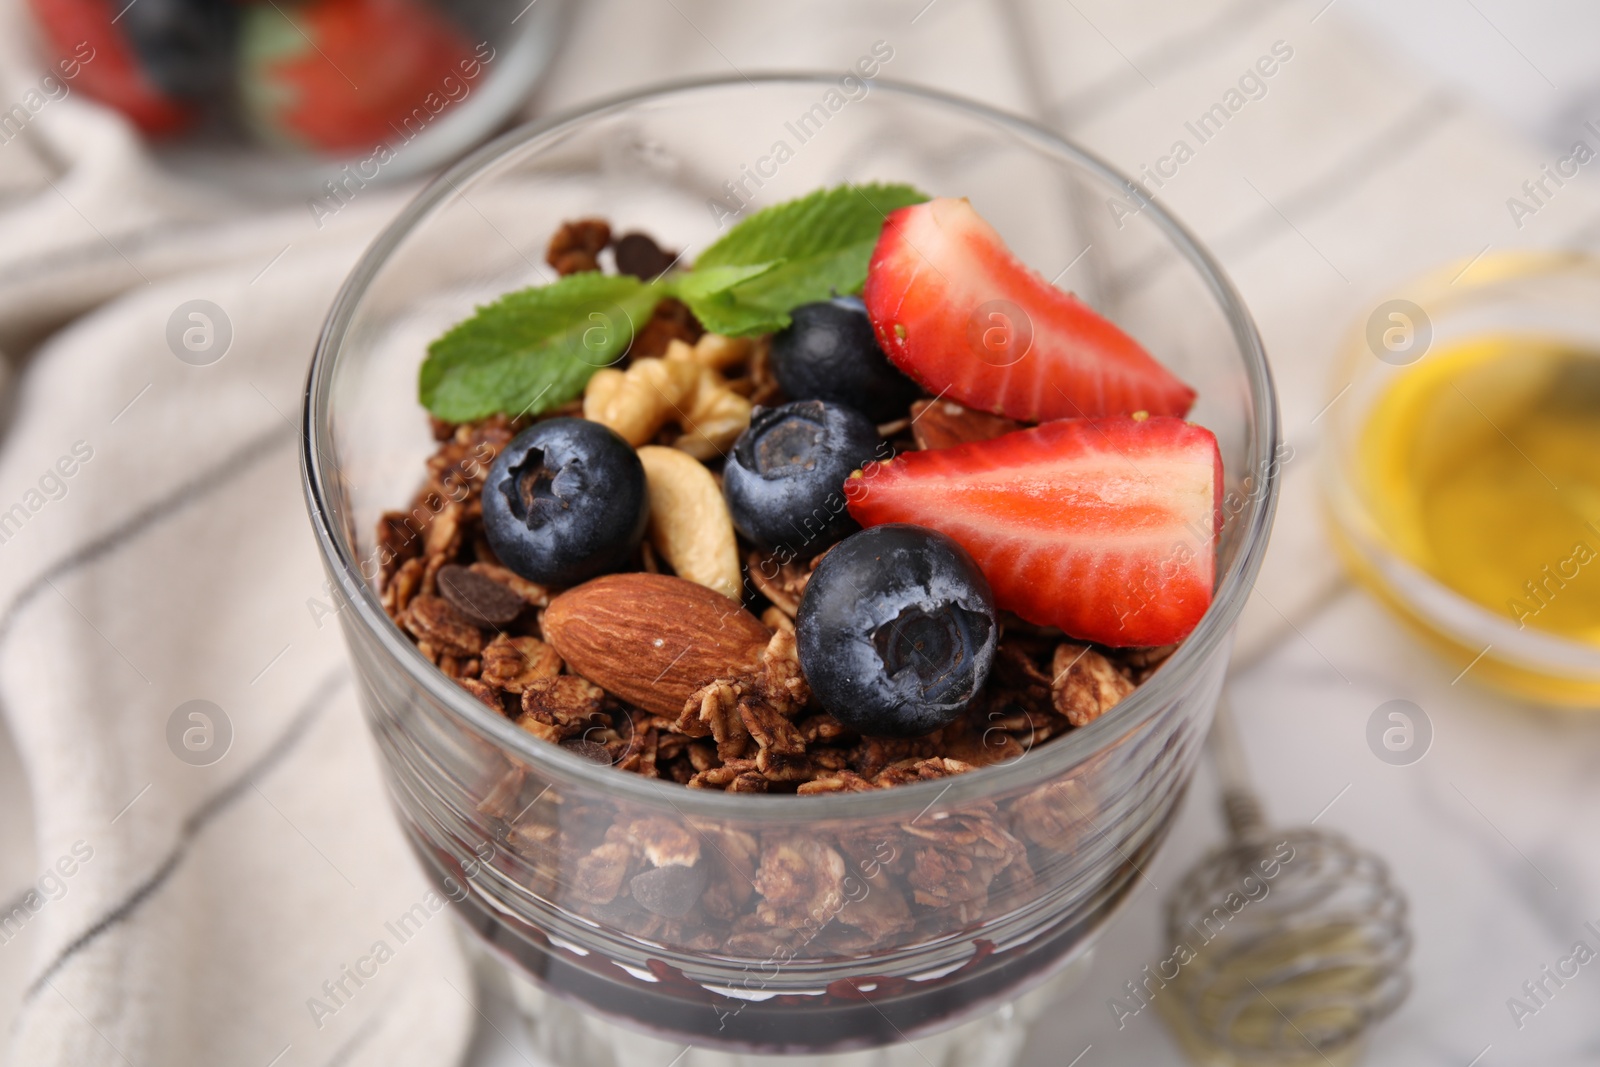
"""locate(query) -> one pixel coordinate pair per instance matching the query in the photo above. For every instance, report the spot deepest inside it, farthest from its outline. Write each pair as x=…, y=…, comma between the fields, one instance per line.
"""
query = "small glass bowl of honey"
x=1462, y=471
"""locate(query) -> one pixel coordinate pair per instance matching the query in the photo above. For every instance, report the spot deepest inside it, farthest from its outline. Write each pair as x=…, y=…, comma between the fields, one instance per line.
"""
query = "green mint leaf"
x=703, y=284
x=534, y=349
x=706, y=291
x=820, y=242
x=723, y=313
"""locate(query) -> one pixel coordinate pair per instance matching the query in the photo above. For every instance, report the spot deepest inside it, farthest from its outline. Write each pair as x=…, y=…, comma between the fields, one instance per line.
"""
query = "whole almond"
x=653, y=639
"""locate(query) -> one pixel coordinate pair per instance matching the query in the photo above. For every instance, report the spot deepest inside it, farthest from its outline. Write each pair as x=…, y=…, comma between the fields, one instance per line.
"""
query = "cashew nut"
x=689, y=522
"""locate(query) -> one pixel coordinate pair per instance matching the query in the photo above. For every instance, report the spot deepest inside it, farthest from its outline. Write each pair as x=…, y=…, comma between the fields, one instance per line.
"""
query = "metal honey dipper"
x=1289, y=945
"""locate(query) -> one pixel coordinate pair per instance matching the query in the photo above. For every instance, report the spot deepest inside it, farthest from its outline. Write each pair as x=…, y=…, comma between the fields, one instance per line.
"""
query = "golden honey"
x=1482, y=467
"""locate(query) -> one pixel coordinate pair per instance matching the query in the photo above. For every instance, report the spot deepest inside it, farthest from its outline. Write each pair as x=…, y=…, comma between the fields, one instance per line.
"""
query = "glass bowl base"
x=567, y=1036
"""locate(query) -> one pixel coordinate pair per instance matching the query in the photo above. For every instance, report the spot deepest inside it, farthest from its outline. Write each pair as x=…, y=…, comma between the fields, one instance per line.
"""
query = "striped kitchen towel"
x=216, y=877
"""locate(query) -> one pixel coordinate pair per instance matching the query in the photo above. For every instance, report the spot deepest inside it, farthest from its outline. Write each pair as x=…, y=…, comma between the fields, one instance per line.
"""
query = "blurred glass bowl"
x=283, y=97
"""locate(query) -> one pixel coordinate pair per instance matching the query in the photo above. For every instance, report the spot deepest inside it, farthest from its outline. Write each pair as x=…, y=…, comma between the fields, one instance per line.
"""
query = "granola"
x=577, y=246
x=756, y=728
x=1086, y=684
x=513, y=663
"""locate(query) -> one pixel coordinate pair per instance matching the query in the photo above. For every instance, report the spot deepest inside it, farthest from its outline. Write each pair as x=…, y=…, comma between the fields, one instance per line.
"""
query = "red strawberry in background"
x=346, y=75
x=1105, y=528
x=81, y=33
x=955, y=310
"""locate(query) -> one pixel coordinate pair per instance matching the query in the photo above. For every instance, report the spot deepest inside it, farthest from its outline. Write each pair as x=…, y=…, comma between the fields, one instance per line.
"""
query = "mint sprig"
x=533, y=349
x=820, y=244
x=536, y=348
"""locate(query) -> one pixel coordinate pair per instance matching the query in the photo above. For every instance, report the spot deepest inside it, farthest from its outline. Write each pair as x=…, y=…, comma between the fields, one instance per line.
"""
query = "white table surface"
x=1491, y=835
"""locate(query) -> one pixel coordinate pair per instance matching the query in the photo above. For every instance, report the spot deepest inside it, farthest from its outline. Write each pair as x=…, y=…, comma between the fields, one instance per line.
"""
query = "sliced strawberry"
x=954, y=309
x=348, y=75
x=1103, y=527
x=80, y=37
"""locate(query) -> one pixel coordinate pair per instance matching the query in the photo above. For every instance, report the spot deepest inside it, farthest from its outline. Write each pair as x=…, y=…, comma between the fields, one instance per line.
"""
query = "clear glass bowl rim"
x=1045, y=763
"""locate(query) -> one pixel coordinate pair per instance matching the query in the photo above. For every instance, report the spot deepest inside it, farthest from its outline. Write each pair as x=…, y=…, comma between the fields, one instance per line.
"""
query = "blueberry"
x=185, y=46
x=829, y=353
x=565, y=501
x=784, y=479
x=896, y=630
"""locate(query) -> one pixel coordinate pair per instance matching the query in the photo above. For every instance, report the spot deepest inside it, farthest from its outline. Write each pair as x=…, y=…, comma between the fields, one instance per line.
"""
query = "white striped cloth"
x=230, y=913
x=213, y=910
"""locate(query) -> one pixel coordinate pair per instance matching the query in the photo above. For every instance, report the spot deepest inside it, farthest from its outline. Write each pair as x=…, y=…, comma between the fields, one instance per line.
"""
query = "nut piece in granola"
x=638, y=401
x=715, y=414
x=689, y=522
x=720, y=353
x=943, y=423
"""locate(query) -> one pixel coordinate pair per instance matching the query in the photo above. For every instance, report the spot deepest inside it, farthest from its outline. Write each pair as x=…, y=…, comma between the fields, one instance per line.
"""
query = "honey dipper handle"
x=1240, y=805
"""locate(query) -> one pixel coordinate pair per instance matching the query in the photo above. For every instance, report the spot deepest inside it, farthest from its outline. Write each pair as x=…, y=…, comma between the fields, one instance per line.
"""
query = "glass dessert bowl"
x=318, y=97
x=782, y=923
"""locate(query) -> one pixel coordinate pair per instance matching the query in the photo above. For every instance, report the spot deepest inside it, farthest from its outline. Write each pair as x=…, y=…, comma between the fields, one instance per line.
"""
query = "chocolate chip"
x=481, y=601
x=669, y=891
x=589, y=750
x=641, y=257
